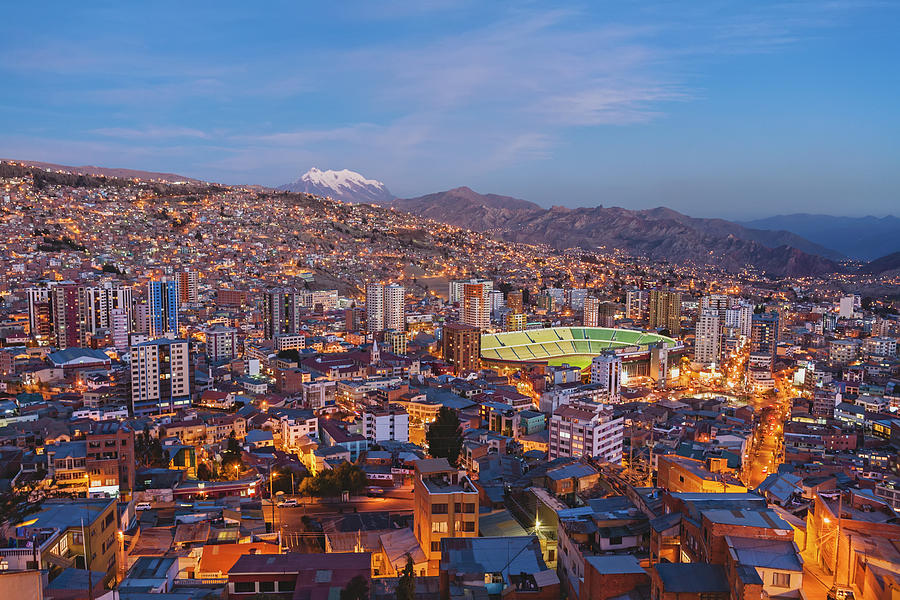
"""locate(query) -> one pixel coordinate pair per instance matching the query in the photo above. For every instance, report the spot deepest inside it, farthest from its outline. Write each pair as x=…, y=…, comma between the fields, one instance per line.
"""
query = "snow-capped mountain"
x=345, y=185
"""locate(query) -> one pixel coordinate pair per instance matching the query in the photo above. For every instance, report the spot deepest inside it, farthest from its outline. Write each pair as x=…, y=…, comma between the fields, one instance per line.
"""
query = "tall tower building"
x=162, y=307
x=96, y=305
x=385, y=307
x=739, y=317
x=635, y=304
x=65, y=314
x=665, y=311
x=374, y=307
x=606, y=369
x=462, y=346
x=764, y=333
x=476, y=306
x=394, y=302
x=119, y=328
x=457, y=289
x=160, y=377
x=707, y=346
x=586, y=429
x=717, y=302
x=281, y=312
x=40, y=321
x=515, y=302
x=591, y=312
x=189, y=287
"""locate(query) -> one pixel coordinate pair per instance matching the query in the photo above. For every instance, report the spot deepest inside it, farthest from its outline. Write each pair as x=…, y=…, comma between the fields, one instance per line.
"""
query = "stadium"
x=643, y=354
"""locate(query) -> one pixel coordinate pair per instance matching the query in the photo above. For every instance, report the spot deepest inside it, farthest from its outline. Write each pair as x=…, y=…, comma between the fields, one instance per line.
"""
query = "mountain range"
x=861, y=238
x=345, y=185
x=781, y=245
x=658, y=234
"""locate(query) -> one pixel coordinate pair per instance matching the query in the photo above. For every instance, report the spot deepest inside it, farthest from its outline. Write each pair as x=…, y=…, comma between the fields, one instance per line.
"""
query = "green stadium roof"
x=576, y=346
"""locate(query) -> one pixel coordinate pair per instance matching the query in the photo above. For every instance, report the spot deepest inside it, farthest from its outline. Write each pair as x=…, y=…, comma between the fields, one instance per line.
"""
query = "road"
x=396, y=500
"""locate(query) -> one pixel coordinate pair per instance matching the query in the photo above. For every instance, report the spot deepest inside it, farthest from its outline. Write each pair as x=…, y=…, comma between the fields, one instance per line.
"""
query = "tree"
x=203, y=472
x=406, y=585
x=357, y=589
x=444, y=436
x=231, y=457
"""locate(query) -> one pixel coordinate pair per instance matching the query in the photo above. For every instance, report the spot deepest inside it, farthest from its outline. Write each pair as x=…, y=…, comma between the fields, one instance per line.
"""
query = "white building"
x=582, y=429
x=848, y=305
x=739, y=316
x=606, y=370
x=591, y=312
x=386, y=424
x=576, y=298
x=160, y=377
x=119, y=327
x=635, y=304
x=455, y=292
x=880, y=346
x=221, y=343
x=289, y=341
x=296, y=426
x=707, y=344
x=385, y=307
x=476, y=309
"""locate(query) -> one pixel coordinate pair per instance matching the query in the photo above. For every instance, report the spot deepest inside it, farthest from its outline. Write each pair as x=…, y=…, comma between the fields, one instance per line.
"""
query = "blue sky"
x=731, y=109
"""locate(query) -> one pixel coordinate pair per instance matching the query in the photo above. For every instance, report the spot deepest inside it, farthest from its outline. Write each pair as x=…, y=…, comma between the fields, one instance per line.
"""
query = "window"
x=244, y=587
x=781, y=579
x=286, y=586
x=266, y=586
x=439, y=527
x=439, y=509
x=435, y=546
x=468, y=526
x=615, y=540
x=470, y=508
x=457, y=507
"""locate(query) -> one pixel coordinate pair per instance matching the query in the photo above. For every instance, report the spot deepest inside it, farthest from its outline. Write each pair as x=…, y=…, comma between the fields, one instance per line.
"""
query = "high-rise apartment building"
x=456, y=289
x=476, y=308
x=162, y=307
x=40, y=320
x=160, y=376
x=189, y=287
x=221, y=343
x=591, y=312
x=445, y=504
x=394, y=304
x=635, y=304
x=708, y=338
x=119, y=328
x=515, y=301
x=281, y=312
x=739, y=317
x=664, y=308
x=65, y=316
x=385, y=307
x=606, y=370
x=764, y=333
x=575, y=298
x=96, y=305
x=462, y=346
x=586, y=429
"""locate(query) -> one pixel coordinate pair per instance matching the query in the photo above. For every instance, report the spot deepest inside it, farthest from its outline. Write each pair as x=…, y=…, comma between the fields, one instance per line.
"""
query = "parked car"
x=840, y=592
x=289, y=503
x=142, y=506
x=374, y=491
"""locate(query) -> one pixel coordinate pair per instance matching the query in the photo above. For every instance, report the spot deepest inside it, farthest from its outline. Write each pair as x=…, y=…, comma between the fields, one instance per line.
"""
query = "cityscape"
x=219, y=385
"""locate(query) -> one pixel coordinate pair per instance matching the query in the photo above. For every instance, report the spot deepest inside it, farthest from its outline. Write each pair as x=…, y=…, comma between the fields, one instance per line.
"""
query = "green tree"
x=357, y=589
x=406, y=585
x=444, y=436
x=231, y=457
x=204, y=473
